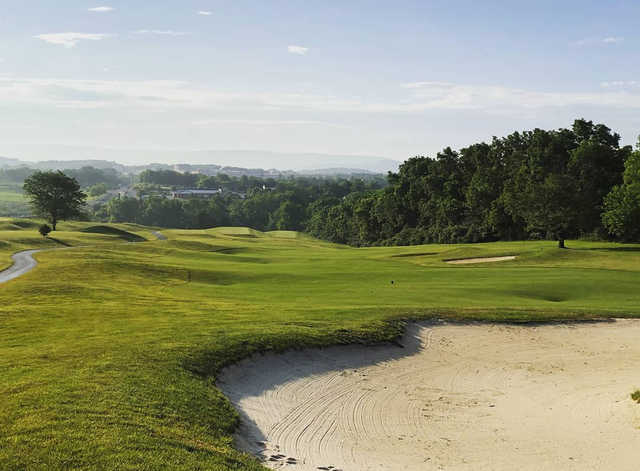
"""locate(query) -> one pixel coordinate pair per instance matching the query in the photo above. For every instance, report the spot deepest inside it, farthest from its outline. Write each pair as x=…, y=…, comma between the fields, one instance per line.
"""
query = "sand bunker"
x=467, y=261
x=457, y=397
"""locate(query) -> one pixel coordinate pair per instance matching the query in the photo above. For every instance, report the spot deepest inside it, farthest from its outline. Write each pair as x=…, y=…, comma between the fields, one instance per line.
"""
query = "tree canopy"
x=622, y=206
x=54, y=196
x=534, y=184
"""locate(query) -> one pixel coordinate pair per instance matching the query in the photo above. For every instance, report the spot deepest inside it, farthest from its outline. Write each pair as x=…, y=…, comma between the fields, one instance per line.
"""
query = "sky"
x=383, y=78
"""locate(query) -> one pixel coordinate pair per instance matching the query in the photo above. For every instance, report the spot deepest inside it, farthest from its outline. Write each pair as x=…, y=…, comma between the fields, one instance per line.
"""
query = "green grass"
x=10, y=196
x=12, y=201
x=109, y=351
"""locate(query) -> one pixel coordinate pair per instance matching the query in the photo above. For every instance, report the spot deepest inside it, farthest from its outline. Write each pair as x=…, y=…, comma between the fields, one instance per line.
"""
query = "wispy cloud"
x=594, y=41
x=101, y=9
x=180, y=95
x=161, y=32
x=621, y=84
x=70, y=39
x=445, y=95
x=300, y=50
x=205, y=13
x=264, y=122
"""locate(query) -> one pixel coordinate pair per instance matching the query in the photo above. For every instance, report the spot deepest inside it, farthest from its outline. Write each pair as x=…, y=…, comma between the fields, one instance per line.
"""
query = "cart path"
x=23, y=262
x=159, y=235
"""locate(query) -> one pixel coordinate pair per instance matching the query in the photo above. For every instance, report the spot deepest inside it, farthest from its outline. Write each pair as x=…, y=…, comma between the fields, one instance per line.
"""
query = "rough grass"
x=11, y=196
x=109, y=351
x=13, y=202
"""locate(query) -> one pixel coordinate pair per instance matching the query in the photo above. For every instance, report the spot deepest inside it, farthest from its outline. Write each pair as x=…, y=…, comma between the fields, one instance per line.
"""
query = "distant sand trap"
x=457, y=397
x=467, y=261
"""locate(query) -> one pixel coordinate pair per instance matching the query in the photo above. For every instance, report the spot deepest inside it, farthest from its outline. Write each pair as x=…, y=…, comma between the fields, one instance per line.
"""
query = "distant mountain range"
x=207, y=161
x=6, y=162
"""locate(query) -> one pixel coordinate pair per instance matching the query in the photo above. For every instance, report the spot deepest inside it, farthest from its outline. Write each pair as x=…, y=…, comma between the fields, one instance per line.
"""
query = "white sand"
x=457, y=397
x=467, y=261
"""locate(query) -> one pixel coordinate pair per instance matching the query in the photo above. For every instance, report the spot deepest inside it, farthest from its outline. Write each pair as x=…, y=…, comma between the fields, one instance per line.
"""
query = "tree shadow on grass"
x=58, y=241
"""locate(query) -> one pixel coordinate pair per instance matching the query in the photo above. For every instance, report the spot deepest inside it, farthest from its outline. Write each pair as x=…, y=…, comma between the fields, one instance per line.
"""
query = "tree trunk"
x=54, y=223
x=561, y=244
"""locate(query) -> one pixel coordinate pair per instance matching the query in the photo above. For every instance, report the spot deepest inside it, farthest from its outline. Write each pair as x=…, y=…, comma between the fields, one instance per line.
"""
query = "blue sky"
x=393, y=79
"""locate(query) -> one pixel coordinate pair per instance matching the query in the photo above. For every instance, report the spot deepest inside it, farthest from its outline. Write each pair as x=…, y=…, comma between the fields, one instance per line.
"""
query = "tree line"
x=539, y=184
x=536, y=184
x=263, y=204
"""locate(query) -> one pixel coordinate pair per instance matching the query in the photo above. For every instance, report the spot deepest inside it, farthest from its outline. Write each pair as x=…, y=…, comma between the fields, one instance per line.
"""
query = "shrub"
x=44, y=230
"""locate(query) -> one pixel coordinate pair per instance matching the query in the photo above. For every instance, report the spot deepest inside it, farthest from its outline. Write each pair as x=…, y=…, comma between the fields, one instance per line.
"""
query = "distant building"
x=186, y=194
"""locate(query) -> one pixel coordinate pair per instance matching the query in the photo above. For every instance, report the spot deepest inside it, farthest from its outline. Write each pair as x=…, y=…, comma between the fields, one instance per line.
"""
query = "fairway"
x=109, y=351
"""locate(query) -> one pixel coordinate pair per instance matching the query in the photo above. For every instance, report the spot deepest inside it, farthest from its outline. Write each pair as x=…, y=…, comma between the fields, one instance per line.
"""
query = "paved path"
x=159, y=235
x=23, y=262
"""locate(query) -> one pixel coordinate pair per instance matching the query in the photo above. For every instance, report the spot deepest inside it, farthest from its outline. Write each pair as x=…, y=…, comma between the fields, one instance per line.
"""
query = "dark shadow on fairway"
x=227, y=277
x=58, y=241
x=112, y=231
x=24, y=224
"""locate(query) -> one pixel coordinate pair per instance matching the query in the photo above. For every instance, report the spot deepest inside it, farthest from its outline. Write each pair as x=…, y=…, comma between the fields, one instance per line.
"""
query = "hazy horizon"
x=297, y=161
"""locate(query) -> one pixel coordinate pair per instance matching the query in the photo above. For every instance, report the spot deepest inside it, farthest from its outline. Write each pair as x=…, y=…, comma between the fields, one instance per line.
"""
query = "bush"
x=97, y=190
x=44, y=230
x=636, y=396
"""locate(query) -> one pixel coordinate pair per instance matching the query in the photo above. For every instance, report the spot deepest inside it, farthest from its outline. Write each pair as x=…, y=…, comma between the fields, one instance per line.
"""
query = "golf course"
x=110, y=348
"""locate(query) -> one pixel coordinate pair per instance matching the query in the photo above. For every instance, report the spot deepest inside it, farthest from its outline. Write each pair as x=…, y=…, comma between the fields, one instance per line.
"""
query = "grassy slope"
x=108, y=353
x=11, y=196
x=12, y=201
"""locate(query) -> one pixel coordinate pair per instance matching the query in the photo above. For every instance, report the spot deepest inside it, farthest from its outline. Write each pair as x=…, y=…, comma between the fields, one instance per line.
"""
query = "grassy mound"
x=17, y=224
x=114, y=231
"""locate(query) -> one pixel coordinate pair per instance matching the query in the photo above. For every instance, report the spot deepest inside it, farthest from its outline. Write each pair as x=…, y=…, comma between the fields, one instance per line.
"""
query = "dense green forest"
x=263, y=204
x=534, y=184
x=559, y=184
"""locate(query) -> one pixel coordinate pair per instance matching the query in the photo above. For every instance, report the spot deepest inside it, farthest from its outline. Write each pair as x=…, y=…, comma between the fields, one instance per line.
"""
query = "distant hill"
x=236, y=163
x=249, y=159
x=207, y=169
x=6, y=162
x=76, y=164
x=337, y=172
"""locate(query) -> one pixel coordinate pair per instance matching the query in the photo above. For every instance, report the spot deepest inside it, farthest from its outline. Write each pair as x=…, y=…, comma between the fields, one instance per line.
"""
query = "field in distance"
x=109, y=351
x=13, y=201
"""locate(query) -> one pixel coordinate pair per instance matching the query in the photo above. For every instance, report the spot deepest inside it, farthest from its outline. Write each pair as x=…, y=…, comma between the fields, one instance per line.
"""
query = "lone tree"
x=54, y=196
